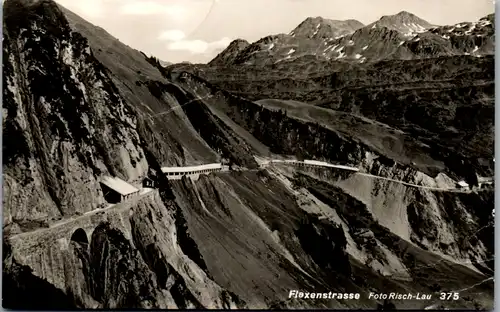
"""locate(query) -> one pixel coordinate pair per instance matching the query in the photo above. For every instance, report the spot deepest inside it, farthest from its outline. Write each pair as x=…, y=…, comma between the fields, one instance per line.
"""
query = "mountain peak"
x=314, y=19
x=405, y=13
x=239, y=41
x=229, y=54
x=404, y=22
x=320, y=27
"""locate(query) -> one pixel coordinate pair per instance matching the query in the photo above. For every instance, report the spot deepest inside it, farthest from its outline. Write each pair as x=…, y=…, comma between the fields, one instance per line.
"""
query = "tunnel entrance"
x=110, y=195
x=79, y=236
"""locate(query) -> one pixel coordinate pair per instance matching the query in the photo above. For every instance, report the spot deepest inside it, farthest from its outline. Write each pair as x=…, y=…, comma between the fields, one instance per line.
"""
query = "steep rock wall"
x=128, y=258
x=65, y=123
x=456, y=225
x=166, y=130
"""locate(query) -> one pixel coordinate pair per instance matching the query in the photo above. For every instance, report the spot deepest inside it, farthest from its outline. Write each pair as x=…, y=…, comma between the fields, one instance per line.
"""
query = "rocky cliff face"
x=164, y=128
x=79, y=105
x=68, y=123
x=283, y=235
x=454, y=225
x=65, y=122
x=293, y=131
x=245, y=237
x=133, y=258
x=421, y=215
x=218, y=135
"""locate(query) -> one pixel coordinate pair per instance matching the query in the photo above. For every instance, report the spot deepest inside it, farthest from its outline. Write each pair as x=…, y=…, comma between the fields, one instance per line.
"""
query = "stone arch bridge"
x=46, y=250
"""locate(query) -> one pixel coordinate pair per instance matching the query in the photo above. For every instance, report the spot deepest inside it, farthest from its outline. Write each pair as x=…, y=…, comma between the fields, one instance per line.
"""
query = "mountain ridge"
x=319, y=27
x=79, y=106
x=399, y=36
x=229, y=54
x=404, y=22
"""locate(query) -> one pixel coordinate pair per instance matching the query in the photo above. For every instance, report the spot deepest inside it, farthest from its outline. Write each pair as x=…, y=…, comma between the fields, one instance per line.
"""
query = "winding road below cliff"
x=356, y=170
x=110, y=207
x=195, y=175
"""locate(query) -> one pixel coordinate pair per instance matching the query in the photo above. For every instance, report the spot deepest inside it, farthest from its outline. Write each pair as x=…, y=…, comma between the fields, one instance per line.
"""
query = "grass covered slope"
x=163, y=125
x=424, y=100
x=260, y=240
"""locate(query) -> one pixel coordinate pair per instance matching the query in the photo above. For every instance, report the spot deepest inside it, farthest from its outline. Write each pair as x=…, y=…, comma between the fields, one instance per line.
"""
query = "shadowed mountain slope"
x=79, y=105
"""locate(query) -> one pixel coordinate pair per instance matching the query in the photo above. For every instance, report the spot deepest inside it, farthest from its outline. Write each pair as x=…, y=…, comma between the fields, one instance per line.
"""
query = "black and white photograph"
x=243, y=155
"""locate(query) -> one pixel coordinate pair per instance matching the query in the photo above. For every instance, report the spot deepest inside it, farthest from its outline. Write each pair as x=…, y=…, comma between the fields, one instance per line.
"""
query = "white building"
x=116, y=190
x=179, y=172
x=462, y=185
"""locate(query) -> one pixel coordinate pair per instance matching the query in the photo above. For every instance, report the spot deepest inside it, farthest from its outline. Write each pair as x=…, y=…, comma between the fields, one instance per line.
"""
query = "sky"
x=197, y=30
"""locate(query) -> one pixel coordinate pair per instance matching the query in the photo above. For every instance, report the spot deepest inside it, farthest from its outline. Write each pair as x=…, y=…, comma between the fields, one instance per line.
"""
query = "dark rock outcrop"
x=62, y=113
x=21, y=290
x=78, y=104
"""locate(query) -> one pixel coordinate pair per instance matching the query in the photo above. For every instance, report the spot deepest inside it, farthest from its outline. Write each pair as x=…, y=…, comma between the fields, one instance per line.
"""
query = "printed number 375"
x=449, y=296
